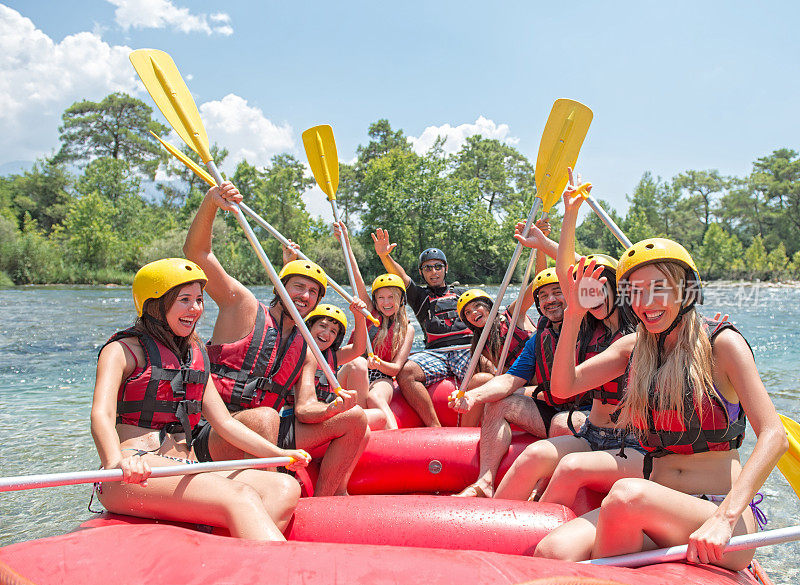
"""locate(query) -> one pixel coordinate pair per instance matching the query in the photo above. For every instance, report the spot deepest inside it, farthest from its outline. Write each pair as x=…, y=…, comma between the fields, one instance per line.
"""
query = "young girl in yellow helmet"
x=152, y=385
x=690, y=383
x=372, y=376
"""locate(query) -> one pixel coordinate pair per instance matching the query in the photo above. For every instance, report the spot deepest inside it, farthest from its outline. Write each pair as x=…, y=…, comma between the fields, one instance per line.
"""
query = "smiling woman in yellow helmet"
x=391, y=341
x=690, y=382
x=142, y=418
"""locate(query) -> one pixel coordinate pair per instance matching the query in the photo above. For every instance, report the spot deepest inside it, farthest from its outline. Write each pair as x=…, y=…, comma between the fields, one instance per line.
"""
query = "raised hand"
x=224, y=195
x=338, y=229
x=573, y=194
x=577, y=277
x=290, y=252
x=535, y=237
x=382, y=246
x=357, y=306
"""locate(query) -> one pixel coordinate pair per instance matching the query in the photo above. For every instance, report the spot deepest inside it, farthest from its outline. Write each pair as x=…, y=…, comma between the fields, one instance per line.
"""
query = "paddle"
x=604, y=217
x=789, y=463
x=561, y=142
x=168, y=90
x=26, y=482
x=323, y=159
x=198, y=170
x=678, y=553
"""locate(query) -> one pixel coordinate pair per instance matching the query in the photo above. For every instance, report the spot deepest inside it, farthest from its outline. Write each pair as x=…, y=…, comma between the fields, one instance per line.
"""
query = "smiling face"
x=304, y=293
x=551, y=302
x=434, y=272
x=387, y=300
x=186, y=310
x=476, y=312
x=654, y=297
x=606, y=305
x=325, y=330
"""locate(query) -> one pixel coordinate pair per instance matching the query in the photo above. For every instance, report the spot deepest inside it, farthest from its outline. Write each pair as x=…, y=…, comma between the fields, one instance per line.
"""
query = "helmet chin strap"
x=662, y=337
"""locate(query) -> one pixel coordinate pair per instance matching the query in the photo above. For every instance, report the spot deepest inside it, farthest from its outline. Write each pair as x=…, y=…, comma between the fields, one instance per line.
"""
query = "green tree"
x=700, y=189
x=720, y=254
x=778, y=262
x=88, y=232
x=777, y=176
x=42, y=193
x=116, y=127
x=755, y=259
x=592, y=235
x=502, y=175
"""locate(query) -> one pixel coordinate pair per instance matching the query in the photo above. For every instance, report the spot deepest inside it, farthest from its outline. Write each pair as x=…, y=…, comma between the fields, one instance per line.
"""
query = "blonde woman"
x=690, y=383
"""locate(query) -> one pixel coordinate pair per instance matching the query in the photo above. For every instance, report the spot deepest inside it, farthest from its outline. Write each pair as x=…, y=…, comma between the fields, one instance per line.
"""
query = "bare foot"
x=472, y=491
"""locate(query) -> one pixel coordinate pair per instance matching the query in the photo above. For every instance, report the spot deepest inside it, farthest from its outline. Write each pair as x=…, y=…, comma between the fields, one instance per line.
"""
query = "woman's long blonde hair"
x=398, y=323
x=690, y=362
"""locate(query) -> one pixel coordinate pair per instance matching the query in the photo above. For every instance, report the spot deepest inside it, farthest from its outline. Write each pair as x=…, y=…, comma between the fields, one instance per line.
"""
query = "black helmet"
x=432, y=254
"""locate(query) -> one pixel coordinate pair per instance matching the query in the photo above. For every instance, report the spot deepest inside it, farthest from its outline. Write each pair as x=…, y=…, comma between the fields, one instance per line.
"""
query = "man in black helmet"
x=447, y=338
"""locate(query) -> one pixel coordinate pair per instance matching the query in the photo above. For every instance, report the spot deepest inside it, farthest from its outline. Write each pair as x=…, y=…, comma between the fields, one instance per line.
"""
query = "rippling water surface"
x=49, y=338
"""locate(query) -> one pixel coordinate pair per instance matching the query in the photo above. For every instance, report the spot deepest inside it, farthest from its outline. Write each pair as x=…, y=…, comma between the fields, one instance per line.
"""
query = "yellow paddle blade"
x=163, y=81
x=323, y=158
x=561, y=142
x=198, y=170
x=789, y=464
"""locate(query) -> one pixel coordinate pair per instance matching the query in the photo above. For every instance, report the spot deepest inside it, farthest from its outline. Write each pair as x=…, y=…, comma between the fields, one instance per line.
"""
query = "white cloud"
x=164, y=14
x=456, y=136
x=245, y=131
x=40, y=78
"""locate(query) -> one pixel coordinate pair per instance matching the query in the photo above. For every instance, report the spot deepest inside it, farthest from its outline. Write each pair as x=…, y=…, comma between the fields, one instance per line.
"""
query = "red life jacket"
x=666, y=433
x=384, y=352
x=259, y=369
x=166, y=391
x=518, y=340
x=321, y=383
x=440, y=321
x=602, y=338
x=546, y=342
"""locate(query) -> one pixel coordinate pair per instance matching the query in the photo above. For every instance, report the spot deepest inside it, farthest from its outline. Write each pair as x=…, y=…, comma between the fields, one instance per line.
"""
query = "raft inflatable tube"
x=422, y=521
x=160, y=553
x=408, y=418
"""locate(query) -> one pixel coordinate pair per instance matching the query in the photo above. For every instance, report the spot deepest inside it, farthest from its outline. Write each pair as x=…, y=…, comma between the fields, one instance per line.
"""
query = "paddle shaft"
x=25, y=482
x=473, y=362
x=288, y=305
x=347, y=263
x=606, y=219
x=678, y=553
x=280, y=237
x=517, y=309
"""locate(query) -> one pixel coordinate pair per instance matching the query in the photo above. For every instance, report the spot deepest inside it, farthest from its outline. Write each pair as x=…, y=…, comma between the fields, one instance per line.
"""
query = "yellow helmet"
x=156, y=278
x=335, y=313
x=309, y=270
x=658, y=250
x=545, y=277
x=469, y=296
x=387, y=279
x=603, y=260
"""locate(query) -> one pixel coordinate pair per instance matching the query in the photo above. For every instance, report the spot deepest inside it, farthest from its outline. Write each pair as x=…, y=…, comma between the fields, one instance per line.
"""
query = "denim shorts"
x=607, y=439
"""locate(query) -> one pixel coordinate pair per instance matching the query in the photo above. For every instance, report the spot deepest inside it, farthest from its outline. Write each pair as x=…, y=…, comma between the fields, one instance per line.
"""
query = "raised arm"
x=566, y=242
x=383, y=249
x=566, y=379
x=543, y=225
x=361, y=287
x=237, y=305
x=352, y=350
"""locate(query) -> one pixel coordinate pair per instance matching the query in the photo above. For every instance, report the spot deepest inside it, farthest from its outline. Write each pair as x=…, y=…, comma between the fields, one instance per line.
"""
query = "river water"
x=49, y=338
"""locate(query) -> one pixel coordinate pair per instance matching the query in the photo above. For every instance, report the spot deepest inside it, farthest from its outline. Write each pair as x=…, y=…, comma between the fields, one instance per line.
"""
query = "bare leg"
x=536, y=462
x=572, y=541
x=207, y=498
x=263, y=420
x=637, y=509
x=380, y=395
x=411, y=380
x=279, y=492
x=474, y=417
x=559, y=426
x=353, y=376
x=348, y=434
x=596, y=470
x=496, y=434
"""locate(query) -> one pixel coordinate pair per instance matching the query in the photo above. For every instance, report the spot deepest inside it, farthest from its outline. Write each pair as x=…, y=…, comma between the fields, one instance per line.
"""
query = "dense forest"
x=82, y=215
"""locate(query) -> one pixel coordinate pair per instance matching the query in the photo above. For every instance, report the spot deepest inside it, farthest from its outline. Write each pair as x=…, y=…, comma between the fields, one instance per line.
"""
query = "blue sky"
x=673, y=85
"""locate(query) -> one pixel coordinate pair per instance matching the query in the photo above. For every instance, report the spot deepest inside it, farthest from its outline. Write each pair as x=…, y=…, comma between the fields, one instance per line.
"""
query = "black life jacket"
x=440, y=321
x=321, y=383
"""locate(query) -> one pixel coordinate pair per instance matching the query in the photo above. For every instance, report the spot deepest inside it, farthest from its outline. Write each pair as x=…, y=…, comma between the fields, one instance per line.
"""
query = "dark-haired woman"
x=373, y=376
x=690, y=383
x=603, y=324
x=152, y=385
